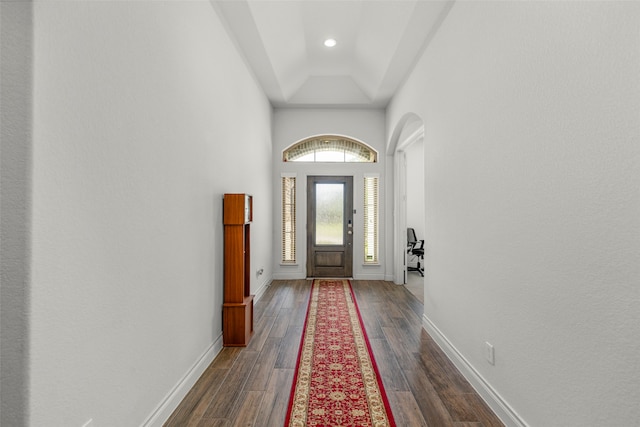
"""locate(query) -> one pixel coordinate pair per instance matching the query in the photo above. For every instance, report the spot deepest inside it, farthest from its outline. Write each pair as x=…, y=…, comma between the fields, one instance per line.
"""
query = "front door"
x=329, y=226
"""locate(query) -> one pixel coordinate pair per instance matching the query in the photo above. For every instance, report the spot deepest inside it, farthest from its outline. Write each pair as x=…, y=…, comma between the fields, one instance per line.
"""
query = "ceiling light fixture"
x=330, y=42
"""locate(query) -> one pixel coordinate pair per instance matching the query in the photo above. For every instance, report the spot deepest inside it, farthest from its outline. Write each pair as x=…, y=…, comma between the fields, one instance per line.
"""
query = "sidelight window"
x=371, y=218
x=288, y=218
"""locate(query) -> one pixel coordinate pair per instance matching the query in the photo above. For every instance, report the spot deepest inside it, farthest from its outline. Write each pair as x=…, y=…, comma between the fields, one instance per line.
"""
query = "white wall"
x=144, y=115
x=415, y=187
x=291, y=126
x=16, y=41
x=532, y=159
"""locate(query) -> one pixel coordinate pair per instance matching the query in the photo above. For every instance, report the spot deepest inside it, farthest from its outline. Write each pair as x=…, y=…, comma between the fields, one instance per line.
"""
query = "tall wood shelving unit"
x=237, y=310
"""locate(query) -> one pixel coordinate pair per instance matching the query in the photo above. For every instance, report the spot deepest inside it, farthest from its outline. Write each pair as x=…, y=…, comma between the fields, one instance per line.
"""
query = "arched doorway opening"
x=407, y=148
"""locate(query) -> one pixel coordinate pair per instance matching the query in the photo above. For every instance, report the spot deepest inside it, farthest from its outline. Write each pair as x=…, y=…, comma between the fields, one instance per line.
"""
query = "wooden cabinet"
x=237, y=310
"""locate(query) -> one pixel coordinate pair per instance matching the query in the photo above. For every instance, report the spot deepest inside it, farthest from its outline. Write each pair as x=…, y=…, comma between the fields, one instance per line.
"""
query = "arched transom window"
x=330, y=148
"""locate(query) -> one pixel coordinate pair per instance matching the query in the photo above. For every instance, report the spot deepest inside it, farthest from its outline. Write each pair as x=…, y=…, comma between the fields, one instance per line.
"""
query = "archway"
x=408, y=132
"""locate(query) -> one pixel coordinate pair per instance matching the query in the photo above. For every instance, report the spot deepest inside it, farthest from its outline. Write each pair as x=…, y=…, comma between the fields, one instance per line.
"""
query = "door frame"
x=348, y=225
x=400, y=201
x=400, y=204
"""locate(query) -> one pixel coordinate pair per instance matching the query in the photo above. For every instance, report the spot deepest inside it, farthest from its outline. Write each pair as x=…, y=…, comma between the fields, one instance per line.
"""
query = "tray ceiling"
x=378, y=42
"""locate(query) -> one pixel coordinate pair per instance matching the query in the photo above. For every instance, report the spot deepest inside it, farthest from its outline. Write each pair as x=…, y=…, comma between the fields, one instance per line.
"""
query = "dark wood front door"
x=329, y=226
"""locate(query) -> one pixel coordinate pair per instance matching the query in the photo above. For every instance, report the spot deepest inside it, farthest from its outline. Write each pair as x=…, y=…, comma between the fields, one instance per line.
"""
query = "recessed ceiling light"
x=330, y=42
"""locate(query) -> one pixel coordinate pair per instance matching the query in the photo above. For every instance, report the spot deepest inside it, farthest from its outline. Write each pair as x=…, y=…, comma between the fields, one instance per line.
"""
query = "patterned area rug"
x=337, y=382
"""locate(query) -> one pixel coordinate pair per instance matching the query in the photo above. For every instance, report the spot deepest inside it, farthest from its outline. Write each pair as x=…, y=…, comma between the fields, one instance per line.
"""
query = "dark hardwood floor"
x=251, y=386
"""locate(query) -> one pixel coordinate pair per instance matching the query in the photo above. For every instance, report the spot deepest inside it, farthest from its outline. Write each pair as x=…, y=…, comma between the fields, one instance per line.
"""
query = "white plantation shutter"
x=288, y=218
x=371, y=219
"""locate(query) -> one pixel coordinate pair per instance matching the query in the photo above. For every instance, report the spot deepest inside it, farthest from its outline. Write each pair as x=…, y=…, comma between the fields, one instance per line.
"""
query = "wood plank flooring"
x=251, y=386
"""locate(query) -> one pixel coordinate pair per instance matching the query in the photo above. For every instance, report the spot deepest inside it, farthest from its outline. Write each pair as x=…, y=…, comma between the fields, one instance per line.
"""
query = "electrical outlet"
x=489, y=353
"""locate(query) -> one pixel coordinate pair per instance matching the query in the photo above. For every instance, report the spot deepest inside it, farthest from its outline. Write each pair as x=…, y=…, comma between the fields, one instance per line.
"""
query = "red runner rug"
x=336, y=381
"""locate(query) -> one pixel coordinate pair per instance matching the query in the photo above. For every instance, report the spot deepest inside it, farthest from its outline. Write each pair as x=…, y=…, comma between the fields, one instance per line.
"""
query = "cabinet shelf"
x=237, y=319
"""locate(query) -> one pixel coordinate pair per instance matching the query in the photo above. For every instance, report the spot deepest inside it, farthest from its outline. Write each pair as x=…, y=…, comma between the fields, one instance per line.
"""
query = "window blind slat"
x=288, y=219
x=371, y=219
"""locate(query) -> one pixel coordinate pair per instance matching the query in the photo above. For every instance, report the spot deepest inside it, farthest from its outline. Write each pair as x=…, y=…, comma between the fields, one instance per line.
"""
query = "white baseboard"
x=294, y=275
x=261, y=288
x=501, y=408
x=368, y=276
x=164, y=410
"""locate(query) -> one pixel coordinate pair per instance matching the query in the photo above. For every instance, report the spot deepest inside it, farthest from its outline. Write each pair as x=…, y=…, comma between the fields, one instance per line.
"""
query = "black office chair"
x=415, y=249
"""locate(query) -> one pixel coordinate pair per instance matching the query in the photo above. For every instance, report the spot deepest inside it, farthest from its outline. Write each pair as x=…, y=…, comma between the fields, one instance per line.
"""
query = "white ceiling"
x=378, y=43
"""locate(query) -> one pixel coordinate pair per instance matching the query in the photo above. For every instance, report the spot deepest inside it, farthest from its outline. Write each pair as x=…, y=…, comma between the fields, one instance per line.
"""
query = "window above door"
x=330, y=149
